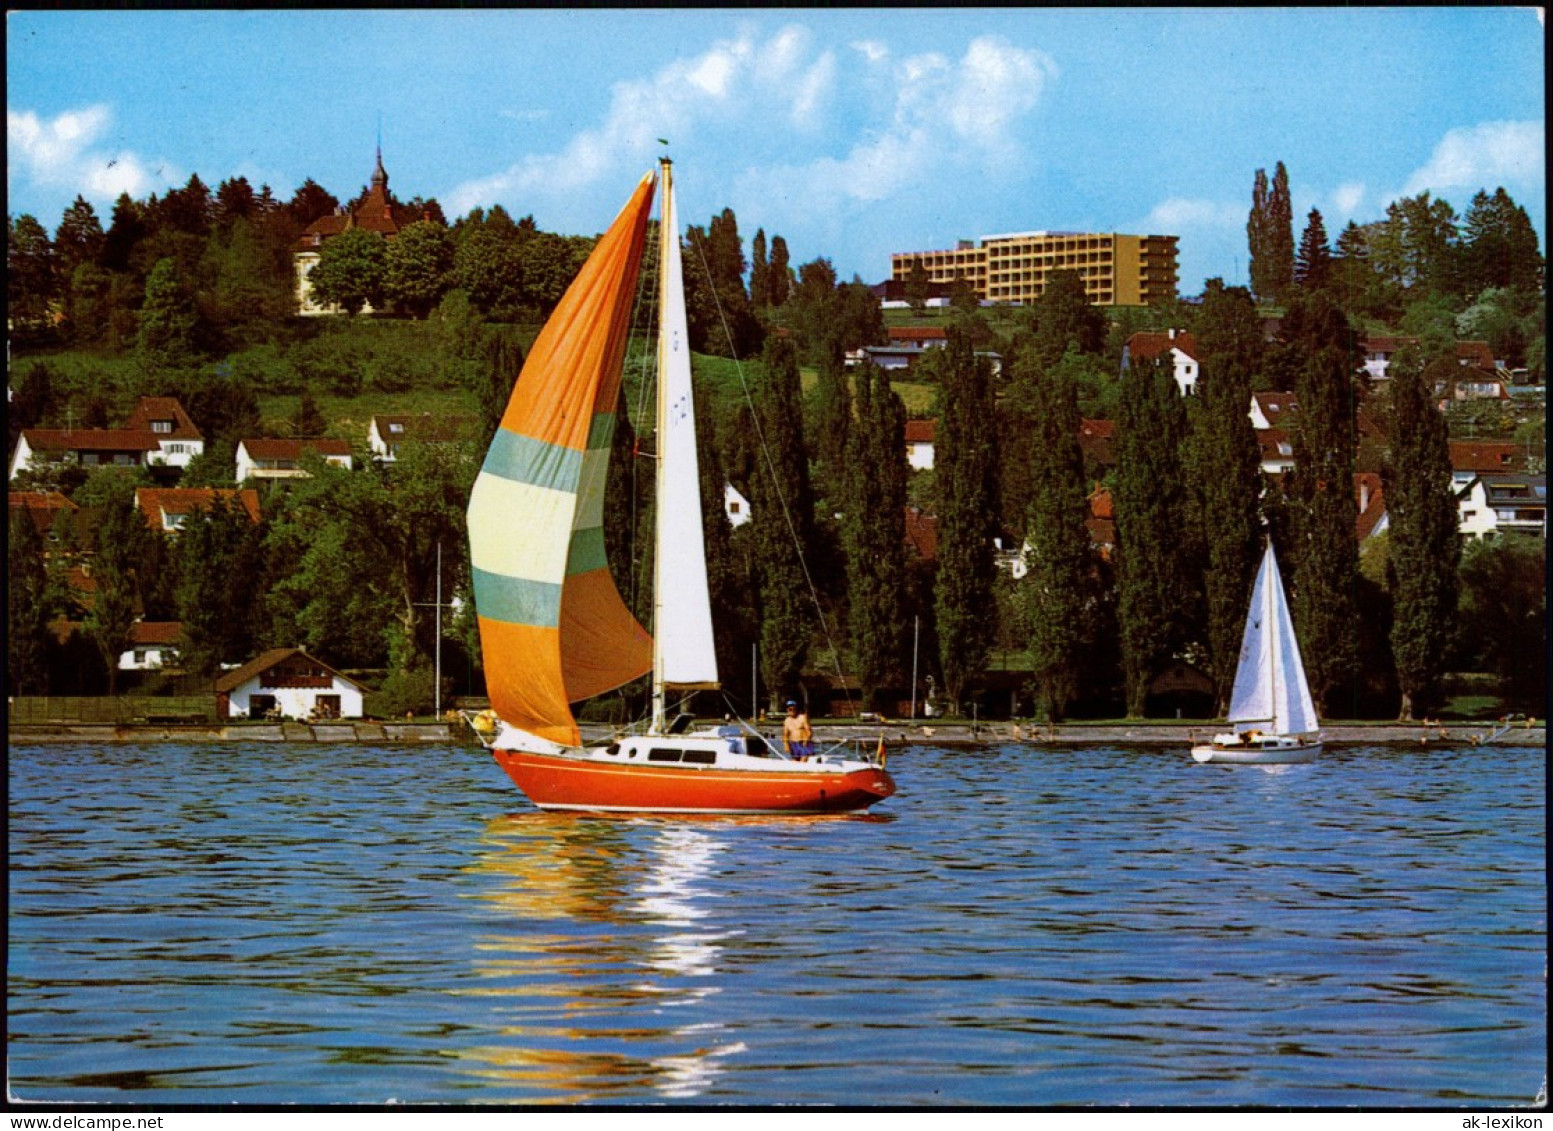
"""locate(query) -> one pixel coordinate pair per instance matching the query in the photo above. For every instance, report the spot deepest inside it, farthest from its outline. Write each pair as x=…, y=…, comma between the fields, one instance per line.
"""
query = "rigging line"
x=765, y=451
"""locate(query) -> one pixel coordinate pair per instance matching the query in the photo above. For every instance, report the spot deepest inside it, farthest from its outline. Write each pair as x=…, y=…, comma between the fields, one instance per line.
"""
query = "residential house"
x=1378, y=352
x=735, y=505
x=922, y=534
x=1095, y=441
x=1473, y=384
x=1277, y=449
x=288, y=683
x=1148, y=346
x=43, y=509
x=376, y=214
x=1370, y=494
x=178, y=439
x=908, y=343
x=893, y=294
x=387, y=434
x=1492, y=505
x=1273, y=417
x=1471, y=458
x=1101, y=522
x=153, y=646
x=88, y=447
x=282, y=459
x=167, y=508
x=1273, y=410
x=920, y=436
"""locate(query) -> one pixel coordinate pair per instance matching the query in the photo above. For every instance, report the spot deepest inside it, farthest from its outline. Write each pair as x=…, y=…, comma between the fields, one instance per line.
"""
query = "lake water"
x=258, y=924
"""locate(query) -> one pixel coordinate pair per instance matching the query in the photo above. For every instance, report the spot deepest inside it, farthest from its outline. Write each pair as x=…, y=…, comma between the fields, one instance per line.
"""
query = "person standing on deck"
x=797, y=735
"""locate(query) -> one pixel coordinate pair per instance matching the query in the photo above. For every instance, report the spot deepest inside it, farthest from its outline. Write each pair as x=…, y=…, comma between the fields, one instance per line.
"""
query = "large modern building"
x=1118, y=270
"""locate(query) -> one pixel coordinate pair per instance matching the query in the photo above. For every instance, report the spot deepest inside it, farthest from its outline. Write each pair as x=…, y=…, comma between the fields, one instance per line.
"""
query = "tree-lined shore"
x=192, y=295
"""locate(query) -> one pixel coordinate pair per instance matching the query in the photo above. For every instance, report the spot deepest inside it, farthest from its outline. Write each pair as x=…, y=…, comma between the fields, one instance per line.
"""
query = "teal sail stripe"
x=601, y=433
x=524, y=459
x=587, y=551
x=516, y=600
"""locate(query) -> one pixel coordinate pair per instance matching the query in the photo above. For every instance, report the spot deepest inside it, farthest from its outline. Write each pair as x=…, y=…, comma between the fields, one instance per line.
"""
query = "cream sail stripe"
x=536, y=549
x=515, y=600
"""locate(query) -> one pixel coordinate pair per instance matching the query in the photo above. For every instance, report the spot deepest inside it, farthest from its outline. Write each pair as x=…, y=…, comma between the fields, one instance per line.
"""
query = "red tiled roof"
x=150, y=632
x=1486, y=455
x=90, y=440
x=1094, y=440
x=918, y=333
x=42, y=507
x=1146, y=345
x=424, y=426
x=1268, y=440
x=294, y=449
x=921, y=431
x=1370, y=497
x=1101, y=504
x=267, y=660
x=922, y=533
x=154, y=502
x=148, y=409
x=1276, y=406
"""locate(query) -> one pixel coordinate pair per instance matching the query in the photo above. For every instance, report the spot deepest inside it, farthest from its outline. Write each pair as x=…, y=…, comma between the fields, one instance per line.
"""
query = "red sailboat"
x=553, y=627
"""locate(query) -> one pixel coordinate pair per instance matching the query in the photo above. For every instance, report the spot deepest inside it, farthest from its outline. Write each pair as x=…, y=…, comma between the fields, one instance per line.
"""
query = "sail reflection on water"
x=604, y=937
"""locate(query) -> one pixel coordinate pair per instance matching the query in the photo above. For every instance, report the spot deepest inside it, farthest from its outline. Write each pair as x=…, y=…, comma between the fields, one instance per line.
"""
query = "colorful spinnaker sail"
x=553, y=628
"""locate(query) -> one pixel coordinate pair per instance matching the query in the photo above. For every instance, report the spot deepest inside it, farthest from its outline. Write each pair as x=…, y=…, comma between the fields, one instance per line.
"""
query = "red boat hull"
x=574, y=783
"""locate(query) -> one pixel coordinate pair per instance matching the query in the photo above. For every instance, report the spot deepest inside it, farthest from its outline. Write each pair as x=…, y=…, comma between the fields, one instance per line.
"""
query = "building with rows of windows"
x=1118, y=270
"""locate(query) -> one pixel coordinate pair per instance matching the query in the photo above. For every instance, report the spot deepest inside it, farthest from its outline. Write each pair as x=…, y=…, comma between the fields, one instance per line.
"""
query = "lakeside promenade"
x=953, y=735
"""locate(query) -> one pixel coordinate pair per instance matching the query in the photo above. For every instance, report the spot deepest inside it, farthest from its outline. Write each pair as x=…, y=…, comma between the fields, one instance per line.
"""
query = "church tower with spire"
x=377, y=213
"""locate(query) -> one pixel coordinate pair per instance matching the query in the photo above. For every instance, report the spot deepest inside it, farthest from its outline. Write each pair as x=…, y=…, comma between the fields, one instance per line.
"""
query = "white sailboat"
x=1270, y=708
x=554, y=629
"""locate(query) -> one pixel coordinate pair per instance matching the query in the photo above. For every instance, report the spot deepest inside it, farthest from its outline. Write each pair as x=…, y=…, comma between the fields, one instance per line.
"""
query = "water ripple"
x=260, y=924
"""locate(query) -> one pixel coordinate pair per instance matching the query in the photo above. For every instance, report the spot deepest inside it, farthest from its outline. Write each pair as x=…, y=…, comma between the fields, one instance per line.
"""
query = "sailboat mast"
x=668, y=228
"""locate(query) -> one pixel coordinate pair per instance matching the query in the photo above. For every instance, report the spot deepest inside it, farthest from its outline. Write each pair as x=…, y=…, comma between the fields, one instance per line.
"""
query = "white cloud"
x=1484, y=156
x=738, y=84
x=1347, y=198
x=65, y=152
x=904, y=120
x=1177, y=215
x=871, y=49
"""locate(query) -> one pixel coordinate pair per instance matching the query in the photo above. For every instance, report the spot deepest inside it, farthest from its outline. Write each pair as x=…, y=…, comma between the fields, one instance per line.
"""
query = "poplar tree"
x=779, y=278
x=874, y=532
x=29, y=608
x=1056, y=591
x=1323, y=508
x=965, y=469
x=168, y=322
x=1423, y=548
x=220, y=566
x=120, y=533
x=1270, y=235
x=780, y=496
x=760, y=271
x=1156, y=593
x=1225, y=471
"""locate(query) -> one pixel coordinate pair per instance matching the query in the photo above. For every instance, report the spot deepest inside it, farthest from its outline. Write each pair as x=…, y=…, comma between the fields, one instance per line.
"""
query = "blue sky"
x=852, y=133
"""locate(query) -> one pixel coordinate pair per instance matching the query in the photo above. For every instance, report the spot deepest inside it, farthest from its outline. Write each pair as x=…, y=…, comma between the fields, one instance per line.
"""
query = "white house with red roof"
x=153, y=645
x=178, y=439
x=282, y=459
x=1148, y=345
x=920, y=435
x=388, y=433
x=87, y=447
x=288, y=683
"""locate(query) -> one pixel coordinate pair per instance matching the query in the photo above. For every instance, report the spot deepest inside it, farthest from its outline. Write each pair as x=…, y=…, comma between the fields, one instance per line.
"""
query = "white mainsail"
x=1271, y=693
x=685, y=655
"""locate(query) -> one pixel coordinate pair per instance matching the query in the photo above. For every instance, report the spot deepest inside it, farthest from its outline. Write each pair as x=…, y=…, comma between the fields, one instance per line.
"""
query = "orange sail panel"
x=553, y=628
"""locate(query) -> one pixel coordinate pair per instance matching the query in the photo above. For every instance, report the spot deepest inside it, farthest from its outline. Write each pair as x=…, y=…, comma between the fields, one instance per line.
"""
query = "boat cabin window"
x=658, y=754
x=701, y=757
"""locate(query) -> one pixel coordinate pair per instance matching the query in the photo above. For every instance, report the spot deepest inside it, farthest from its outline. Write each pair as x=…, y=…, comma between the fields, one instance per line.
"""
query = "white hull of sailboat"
x=1270, y=752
